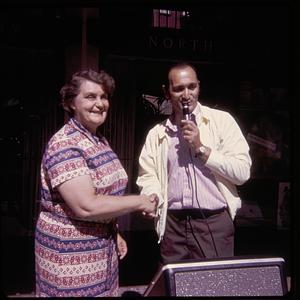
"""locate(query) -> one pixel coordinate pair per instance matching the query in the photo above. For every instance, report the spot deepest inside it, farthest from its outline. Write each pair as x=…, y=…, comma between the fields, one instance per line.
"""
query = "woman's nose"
x=99, y=102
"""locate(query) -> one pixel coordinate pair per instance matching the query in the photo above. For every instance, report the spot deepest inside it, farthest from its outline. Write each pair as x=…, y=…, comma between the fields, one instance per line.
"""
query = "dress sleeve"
x=64, y=161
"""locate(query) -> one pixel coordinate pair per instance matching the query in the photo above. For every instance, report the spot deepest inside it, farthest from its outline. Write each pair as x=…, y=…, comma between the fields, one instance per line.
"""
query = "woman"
x=83, y=182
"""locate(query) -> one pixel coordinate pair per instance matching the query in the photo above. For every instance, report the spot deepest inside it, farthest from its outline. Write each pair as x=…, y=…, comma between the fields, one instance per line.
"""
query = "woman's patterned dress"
x=76, y=258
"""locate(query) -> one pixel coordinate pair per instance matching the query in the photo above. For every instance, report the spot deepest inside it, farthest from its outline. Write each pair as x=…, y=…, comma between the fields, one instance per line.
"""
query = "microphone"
x=185, y=111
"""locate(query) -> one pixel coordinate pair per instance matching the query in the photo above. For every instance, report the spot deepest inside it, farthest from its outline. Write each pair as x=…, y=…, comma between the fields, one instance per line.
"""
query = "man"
x=193, y=162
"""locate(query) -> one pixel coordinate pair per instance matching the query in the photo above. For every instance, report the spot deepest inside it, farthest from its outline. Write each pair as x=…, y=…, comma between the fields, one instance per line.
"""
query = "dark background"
x=253, y=53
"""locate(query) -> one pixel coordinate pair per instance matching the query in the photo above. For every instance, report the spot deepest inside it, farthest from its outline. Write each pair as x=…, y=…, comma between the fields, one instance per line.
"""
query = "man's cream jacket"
x=229, y=160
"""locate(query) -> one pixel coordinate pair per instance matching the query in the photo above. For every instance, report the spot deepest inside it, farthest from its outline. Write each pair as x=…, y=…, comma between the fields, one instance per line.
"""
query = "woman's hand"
x=153, y=204
x=121, y=246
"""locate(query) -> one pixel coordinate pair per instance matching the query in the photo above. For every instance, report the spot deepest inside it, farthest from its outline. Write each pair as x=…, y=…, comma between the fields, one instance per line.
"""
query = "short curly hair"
x=72, y=88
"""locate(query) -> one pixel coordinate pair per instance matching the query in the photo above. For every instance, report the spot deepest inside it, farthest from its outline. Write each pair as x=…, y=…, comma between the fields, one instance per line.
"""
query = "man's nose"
x=185, y=94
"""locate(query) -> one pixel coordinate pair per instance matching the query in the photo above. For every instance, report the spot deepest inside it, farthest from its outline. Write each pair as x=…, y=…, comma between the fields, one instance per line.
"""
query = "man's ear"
x=166, y=92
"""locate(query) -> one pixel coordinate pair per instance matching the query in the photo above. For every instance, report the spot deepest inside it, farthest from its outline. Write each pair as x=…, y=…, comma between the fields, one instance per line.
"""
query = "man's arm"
x=232, y=160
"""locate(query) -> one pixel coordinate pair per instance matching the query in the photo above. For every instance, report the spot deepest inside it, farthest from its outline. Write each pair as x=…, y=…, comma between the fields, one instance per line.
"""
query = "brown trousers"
x=190, y=235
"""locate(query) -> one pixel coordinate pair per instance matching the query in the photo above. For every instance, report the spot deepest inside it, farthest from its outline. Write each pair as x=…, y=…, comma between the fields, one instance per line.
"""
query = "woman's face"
x=91, y=105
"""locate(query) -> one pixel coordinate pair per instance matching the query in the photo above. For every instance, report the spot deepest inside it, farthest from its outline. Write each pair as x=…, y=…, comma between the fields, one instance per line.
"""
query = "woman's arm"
x=80, y=196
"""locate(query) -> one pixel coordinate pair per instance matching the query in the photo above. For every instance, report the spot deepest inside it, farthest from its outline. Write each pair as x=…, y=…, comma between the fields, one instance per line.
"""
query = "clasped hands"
x=149, y=210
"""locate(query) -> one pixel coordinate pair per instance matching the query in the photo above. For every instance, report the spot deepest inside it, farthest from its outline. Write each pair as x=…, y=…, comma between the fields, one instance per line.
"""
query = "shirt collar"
x=75, y=124
x=201, y=115
x=170, y=126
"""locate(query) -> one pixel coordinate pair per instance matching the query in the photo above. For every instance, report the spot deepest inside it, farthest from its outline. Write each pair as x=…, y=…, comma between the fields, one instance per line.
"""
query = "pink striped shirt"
x=191, y=184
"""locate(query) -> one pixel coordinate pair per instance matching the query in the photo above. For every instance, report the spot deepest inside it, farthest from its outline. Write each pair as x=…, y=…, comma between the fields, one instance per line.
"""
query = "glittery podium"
x=237, y=276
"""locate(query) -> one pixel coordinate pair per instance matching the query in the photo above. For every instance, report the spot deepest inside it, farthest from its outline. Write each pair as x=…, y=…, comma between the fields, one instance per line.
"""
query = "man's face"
x=184, y=86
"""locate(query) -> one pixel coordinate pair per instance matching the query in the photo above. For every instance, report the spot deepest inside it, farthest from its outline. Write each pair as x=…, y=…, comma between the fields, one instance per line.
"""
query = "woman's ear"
x=72, y=105
x=69, y=107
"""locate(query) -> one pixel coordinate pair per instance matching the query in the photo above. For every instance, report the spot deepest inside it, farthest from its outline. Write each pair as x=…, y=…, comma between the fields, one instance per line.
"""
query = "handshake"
x=149, y=206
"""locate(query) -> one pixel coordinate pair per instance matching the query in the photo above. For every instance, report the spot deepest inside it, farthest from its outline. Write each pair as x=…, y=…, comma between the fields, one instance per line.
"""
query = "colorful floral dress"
x=76, y=258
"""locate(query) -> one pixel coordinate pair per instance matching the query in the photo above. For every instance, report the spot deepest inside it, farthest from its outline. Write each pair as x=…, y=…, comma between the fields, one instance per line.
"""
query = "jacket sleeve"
x=148, y=180
x=152, y=176
x=230, y=159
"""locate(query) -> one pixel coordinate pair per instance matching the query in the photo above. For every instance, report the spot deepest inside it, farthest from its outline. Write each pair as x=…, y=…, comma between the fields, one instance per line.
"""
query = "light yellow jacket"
x=229, y=160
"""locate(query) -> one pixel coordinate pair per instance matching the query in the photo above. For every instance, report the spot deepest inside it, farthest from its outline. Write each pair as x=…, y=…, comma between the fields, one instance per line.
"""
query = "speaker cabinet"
x=237, y=276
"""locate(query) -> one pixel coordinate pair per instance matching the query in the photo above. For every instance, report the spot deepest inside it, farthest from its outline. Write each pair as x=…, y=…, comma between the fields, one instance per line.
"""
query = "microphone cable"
x=187, y=116
x=201, y=211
